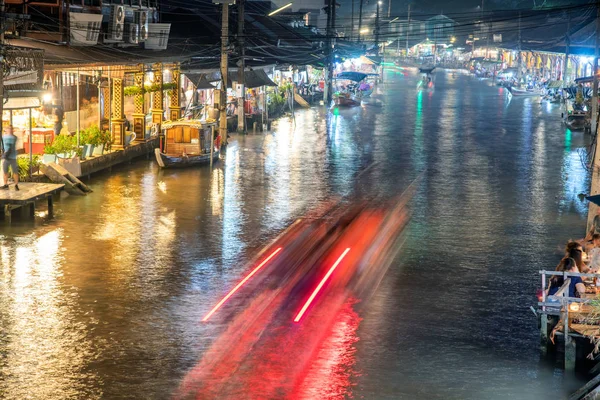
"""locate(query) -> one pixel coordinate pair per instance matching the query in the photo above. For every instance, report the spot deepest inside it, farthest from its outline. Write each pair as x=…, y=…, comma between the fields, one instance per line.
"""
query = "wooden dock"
x=26, y=197
x=569, y=322
x=95, y=164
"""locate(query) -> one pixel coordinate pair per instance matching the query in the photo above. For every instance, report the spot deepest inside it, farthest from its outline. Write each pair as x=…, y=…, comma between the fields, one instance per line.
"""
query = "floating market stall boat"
x=577, y=121
x=576, y=116
x=352, y=87
x=188, y=143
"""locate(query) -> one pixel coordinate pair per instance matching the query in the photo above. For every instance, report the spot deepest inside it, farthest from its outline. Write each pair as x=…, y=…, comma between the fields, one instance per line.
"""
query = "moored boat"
x=188, y=143
x=522, y=92
x=345, y=100
x=576, y=121
x=351, y=88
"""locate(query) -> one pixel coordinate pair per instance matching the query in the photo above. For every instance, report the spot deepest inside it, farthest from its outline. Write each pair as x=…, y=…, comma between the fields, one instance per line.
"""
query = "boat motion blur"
x=276, y=317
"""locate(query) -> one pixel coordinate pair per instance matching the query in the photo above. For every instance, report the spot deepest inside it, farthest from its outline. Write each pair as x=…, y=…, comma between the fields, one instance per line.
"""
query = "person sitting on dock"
x=576, y=287
x=588, y=241
x=592, y=243
x=593, y=253
x=9, y=157
x=575, y=251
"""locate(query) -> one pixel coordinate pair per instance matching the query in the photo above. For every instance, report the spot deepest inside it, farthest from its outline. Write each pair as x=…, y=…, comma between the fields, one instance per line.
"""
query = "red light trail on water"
x=239, y=285
x=318, y=288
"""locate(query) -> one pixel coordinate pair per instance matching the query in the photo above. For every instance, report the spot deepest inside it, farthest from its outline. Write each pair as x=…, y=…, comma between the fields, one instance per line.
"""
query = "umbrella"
x=594, y=199
x=351, y=75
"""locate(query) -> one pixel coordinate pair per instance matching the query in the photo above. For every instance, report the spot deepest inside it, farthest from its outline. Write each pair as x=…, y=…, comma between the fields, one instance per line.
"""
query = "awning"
x=200, y=81
x=585, y=79
x=555, y=84
x=351, y=75
x=253, y=79
x=366, y=60
x=594, y=199
x=20, y=103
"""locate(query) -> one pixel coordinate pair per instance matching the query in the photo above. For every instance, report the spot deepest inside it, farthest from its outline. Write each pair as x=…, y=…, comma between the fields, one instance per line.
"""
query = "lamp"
x=47, y=98
x=279, y=9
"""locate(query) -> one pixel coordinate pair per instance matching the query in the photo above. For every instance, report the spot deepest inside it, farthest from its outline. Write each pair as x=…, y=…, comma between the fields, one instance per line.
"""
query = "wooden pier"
x=568, y=322
x=26, y=197
x=95, y=164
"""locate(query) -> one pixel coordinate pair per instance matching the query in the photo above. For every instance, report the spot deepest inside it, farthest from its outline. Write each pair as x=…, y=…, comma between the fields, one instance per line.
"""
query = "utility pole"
x=352, y=22
x=224, y=60
x=330, y=42
x=377, y=29
x=519, y=59
x=2, y=61
x=595, y=72
x=488, y=31
x=389, y=8
x=482, y=29
x=360, y=8
x=567, y=44
x=241, y=70
x=595, y=186
x=398, y=43
x=407, y=30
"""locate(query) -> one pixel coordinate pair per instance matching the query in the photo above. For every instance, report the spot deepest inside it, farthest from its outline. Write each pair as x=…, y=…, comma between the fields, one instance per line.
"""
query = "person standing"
x=58, y=123
x=9, y=157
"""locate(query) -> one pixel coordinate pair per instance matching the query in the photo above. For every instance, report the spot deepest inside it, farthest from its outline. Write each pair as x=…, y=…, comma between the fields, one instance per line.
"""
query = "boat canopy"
x=555, y=84
x=585, y=79
x=192, y=123
x=352, y=76
x=572, y=91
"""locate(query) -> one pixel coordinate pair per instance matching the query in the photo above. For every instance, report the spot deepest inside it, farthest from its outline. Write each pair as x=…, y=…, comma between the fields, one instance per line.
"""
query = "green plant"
x=169, y=86
x=105, y=138
x=49, y=149
x=155, y=87
x=23, y=163
x=79, y=152
x=285, y=87
x=133, y=90
x=63, y=144
x=91, y=135
x=276, y=103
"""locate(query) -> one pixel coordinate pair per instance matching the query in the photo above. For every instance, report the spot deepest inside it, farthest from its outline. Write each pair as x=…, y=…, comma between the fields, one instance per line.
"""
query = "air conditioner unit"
x=133, y=33
x=117, y=21
x=142, y=19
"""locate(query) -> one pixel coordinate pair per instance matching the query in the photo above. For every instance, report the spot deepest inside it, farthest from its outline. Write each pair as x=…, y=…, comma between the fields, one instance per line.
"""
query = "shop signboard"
x=23, y=69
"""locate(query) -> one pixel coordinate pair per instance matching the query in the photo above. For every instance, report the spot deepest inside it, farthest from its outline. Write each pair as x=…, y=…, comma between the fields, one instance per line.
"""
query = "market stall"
x=29, y=120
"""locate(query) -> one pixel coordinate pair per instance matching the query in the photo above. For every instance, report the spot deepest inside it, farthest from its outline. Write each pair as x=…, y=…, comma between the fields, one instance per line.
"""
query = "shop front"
x=29, y=119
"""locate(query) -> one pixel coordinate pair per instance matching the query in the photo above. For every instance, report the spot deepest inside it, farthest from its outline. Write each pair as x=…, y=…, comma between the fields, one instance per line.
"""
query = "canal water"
x=105, y=300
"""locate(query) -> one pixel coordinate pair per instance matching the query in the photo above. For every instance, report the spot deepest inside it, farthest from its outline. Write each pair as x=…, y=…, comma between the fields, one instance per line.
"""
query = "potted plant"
x=91, y=138
x=65, y=146
x=23, y=163
x=68, y=153
x=102, y=140
x=49, y=154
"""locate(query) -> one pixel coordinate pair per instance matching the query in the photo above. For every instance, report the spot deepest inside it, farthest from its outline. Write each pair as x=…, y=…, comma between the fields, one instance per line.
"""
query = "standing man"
x=9, y=157
x=60, y=114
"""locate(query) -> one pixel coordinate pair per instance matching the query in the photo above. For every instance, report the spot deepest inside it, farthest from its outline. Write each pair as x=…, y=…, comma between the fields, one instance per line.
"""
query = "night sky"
x=399, y=7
